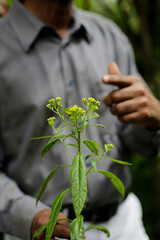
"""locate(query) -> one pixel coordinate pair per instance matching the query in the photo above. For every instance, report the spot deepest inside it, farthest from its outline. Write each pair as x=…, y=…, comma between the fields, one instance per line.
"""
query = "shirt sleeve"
x=136, y=139
x=140, y=140
x=16, y=209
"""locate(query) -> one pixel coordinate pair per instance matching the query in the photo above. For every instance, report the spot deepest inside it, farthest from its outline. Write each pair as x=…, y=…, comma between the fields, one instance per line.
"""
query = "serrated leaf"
x=92, y=146
x=118, y=161
x=77, y=229
x=99, y=227
x=56, y=208
x=46, y=181
x=50, y=144
x=108, y=147
x=78, y=183
x=115, y=181
x=41, y=229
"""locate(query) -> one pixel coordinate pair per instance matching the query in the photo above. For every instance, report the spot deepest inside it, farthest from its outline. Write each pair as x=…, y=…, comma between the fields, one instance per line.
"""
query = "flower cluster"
x=78, y=116
x=90, y=104
x=76, y=110
x=75, y=114
x=55, y=105
x=90, y=101
x=51, y=121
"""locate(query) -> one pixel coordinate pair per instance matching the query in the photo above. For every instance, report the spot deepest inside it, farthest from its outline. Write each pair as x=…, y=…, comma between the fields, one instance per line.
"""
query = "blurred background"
x=140, y=21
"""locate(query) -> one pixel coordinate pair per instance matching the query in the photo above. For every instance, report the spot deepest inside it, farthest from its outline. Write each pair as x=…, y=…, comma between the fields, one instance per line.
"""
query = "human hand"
x=132, y=102
x=62, y=228
x=3, y=7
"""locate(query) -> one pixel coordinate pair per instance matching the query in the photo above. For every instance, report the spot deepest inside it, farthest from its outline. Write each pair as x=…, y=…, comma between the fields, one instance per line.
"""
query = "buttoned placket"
x=71, y=90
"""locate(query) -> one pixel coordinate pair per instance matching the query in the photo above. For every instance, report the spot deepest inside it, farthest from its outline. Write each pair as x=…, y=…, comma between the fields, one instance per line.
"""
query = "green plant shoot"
x=76, y=119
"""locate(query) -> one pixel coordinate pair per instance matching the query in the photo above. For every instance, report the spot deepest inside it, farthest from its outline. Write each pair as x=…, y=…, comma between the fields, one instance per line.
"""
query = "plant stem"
x=83, y=135
x=66, y=149
x=79, y=141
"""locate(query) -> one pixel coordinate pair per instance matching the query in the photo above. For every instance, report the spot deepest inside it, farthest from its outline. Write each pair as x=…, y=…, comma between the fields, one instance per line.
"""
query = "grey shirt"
x=36, y=65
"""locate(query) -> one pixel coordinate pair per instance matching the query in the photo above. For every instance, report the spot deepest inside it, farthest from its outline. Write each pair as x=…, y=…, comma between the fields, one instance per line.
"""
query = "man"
x=50, y=49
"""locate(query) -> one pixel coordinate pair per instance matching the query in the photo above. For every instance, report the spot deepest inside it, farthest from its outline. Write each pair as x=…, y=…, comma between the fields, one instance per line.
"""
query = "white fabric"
x=125, y=225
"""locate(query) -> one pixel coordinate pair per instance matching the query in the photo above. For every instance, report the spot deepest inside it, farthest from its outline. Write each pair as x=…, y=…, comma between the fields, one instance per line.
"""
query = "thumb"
x=113, y=69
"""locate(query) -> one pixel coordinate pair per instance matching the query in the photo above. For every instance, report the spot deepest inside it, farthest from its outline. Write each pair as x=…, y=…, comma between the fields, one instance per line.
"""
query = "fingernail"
x=105, y=78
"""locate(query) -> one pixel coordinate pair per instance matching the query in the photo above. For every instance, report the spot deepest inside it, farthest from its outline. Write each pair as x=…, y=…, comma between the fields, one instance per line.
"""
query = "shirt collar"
x=27, y=27
x=80, y=23
x=25, y=24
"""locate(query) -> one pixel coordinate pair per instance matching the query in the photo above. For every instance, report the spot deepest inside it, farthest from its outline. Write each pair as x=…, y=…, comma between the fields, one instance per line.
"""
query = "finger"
x=62, y=231
x=113, y=69
x=62, y=218
x=119, y=95
x=124, y=108
x=120, y=81
x=64, y=222
x=134, y=118
x=129, y=118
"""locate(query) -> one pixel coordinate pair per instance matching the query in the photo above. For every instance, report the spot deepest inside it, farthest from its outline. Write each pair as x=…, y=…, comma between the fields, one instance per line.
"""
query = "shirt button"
x=72, y=83
x=88, y=163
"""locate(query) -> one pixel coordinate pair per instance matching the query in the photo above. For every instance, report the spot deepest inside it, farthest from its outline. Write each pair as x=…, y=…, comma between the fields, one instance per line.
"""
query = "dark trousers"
x=1, y=236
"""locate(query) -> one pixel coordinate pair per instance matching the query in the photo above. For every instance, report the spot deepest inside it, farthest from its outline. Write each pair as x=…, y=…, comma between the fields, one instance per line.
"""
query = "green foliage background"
x=140, y=20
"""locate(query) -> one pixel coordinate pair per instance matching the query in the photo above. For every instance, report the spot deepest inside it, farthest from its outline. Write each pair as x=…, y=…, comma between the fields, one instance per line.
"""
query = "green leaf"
x=65, y=110
x=118, y=161
x=37, y=138
x=99, y=227
x=73, y=145
x=94, y=164
x=64, y=127
x=78, y=183
x=50, y=144
x=97, y=125
x=56, y=208
x=46, y=181
x=115, y=181
x=89, y=155
x=84, y=121
x=77, y=229
x=98, y=145
x=108, y=147
x=91, y=170
x=92, y=146
x=95, y=115
x=61, y=219
x=41, y=229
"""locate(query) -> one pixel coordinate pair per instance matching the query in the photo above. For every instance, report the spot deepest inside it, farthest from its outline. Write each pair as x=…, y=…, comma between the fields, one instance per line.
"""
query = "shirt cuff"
x=156, y=140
